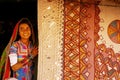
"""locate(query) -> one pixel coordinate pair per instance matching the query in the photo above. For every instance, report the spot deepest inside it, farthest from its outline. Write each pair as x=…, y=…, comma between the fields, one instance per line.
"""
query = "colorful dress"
x=19, y=52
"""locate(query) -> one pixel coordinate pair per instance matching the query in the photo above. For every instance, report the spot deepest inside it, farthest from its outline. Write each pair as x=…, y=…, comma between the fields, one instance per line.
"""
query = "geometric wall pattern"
x=50, y=28
x=69, y=41
x=84, y=59
x=78, y=41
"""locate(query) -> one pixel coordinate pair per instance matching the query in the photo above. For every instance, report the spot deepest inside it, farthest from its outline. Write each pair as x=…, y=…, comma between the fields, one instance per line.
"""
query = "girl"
x=21, y=51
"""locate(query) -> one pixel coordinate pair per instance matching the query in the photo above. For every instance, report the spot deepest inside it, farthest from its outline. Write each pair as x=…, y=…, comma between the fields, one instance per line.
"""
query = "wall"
x=50, y=26
x=79, y=39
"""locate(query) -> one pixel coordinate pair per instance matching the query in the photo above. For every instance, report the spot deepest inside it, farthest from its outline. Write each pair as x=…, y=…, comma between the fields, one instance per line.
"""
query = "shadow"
x=11, y=11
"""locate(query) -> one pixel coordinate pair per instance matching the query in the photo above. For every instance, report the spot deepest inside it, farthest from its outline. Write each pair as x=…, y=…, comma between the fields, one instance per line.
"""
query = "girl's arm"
x=20, y=64
x=17, y=65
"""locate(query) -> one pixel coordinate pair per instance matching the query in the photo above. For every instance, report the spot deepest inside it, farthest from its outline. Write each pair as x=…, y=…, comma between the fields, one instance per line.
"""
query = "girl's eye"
x=23, y=29
x=28, y=28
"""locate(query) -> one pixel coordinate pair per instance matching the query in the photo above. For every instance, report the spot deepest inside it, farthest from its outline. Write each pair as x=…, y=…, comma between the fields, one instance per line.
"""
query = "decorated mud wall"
x=79, y=39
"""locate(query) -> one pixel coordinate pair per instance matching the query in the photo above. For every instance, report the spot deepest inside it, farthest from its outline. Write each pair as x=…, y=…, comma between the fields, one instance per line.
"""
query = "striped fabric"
x=22, y=51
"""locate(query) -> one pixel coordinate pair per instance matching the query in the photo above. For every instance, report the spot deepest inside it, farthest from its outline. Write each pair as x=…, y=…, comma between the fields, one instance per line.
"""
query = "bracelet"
x=25, y=61
x=30, y=56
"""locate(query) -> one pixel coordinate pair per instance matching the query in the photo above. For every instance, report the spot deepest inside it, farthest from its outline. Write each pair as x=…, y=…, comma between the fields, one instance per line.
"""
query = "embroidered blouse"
x=20, y=52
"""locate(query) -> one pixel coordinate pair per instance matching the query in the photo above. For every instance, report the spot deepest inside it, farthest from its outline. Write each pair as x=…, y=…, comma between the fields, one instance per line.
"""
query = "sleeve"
x=13, y=55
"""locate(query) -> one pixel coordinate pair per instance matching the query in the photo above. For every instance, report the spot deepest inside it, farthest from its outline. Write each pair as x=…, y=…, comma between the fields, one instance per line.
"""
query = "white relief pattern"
x=50, y=30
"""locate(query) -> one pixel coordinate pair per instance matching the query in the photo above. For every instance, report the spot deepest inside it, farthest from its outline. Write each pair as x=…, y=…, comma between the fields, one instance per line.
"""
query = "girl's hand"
x=34, y=52
x=17, y=66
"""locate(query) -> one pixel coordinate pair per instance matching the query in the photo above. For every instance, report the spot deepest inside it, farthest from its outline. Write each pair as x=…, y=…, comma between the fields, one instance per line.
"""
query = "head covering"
x=4, y=61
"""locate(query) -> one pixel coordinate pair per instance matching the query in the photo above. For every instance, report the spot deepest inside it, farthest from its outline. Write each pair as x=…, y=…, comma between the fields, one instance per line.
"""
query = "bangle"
x=25, y=61
x=30, y=56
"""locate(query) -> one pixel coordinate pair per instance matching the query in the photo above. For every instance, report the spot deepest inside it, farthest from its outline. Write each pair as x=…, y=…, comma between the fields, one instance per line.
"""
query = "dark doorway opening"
x=11, y=11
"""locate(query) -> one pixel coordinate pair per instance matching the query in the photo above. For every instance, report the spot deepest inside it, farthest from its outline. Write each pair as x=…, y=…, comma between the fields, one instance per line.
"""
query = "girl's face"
x=24, y=31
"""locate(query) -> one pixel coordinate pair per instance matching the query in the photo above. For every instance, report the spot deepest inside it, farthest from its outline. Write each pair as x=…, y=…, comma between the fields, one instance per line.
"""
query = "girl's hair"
x=26, y=21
